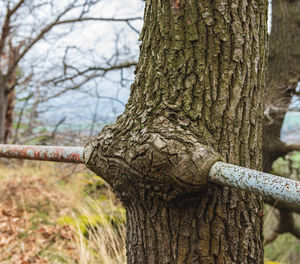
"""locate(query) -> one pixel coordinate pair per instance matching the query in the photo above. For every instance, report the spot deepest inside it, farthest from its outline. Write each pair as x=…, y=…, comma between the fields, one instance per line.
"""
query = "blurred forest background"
x=65, y=72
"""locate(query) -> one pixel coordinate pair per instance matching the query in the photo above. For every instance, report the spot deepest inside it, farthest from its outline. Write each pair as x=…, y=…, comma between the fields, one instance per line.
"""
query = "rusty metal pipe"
x=283, y=189
x=46, y=153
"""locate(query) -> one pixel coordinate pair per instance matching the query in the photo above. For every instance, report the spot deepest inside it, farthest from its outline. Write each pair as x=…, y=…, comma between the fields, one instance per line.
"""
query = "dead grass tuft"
x=35, y=197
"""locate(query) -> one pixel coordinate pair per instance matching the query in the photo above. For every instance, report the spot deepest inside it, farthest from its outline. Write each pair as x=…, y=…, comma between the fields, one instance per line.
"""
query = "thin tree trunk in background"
x=198, y=91
x=283, y=74
x=10, y=106
x=2, y=112
x=10, y=93
x=284, y=57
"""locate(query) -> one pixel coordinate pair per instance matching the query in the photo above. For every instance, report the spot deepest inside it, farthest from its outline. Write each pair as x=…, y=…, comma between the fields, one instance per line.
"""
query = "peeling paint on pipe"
x=285, y=190
x=46, y=153
x=268, y=185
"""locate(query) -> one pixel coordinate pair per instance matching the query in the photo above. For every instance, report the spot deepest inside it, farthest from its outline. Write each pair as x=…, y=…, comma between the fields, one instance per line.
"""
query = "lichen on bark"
x=164, y=154
x=198, y=97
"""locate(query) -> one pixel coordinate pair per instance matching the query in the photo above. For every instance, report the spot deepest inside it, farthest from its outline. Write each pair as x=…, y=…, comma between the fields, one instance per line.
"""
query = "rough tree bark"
x=198, y=97
x=283, y=75
x=2, y=111
x=7, y=99
x=10, y=106
x=7, y=91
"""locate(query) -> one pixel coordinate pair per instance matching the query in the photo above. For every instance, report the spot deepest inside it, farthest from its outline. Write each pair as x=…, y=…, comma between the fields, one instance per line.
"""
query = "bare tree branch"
x=61, y=121
x=293, y=147
x=286, y=224
x=61, y=79
x=133, y=28
x=70, y=88
x=6, y=25
x=98, y=19
x=22, y=35
x=57, y=22
x=280, y=206
x=20, y=117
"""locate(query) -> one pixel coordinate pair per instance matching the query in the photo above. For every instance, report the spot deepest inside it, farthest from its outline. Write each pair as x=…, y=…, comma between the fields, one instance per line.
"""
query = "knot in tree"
x=198, y=95
x=156, y=158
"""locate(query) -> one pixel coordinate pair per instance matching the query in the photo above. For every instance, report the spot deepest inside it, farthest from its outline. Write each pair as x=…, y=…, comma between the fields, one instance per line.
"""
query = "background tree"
x=283, y=76
x=198, y=91
x=28, y=24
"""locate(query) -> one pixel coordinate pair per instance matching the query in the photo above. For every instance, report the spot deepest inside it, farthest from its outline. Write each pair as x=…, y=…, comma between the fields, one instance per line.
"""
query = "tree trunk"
x=2, y=112
x=10, y=106
x=198, y=97
x=283, y=74
x=284, y=56
x=7, y=104
x=8, y=83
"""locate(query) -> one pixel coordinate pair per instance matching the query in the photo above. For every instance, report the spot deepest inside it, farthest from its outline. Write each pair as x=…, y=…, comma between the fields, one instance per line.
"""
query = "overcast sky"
x=100, y=37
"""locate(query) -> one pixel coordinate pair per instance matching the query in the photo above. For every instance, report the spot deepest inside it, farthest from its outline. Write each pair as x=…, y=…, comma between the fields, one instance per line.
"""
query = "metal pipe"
x=285, y=190
x=46, y=153
x=268, y=185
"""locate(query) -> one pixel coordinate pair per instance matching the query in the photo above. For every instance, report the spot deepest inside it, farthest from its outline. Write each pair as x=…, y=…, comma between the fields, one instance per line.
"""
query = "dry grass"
x=52, y=213
x=47, y=217
x=102, y=243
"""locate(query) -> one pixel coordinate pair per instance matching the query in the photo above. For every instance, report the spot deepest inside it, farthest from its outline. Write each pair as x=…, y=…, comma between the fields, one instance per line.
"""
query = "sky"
x=100, y=38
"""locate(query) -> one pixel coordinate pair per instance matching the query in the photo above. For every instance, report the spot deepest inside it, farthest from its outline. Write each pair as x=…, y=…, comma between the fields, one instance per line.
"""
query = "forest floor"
x=53, y=213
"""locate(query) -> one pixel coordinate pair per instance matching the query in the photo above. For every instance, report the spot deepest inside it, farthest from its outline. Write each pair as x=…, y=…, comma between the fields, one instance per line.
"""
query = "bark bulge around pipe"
x=163, y=157
x=199, y=82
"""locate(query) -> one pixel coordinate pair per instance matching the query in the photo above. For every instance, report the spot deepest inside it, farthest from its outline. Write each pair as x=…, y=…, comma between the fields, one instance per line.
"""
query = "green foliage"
x=289, y=166
x=281, y=167
x=94, y=186
x=84, y=223
x=284, y=249
x=296, y=158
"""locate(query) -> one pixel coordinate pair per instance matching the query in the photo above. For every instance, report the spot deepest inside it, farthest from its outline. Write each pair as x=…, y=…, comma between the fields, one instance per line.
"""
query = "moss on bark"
x=198, y=93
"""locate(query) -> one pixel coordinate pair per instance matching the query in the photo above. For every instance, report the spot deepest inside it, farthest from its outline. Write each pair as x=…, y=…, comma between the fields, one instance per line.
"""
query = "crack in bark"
x=198, y=92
